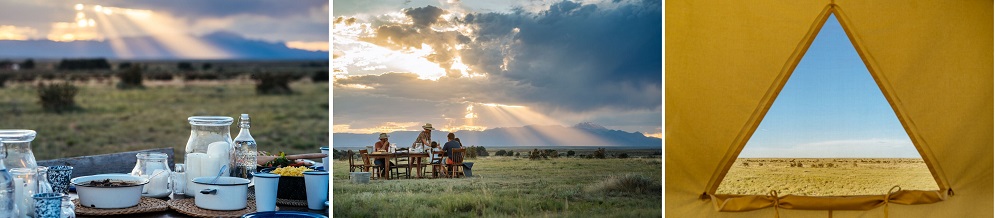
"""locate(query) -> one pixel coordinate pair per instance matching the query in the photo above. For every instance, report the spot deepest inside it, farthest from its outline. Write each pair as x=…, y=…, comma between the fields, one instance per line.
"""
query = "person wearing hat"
x=425, y=137
x=382, y=145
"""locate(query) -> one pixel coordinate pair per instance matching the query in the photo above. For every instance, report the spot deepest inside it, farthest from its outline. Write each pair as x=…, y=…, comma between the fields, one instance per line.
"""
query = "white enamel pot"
x=227, y=193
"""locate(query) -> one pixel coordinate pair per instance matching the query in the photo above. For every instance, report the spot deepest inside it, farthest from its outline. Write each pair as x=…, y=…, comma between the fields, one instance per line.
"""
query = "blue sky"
x=830, y=107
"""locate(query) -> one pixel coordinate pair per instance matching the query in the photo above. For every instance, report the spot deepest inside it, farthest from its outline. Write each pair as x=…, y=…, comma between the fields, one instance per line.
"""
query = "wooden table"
x=387, y=156
x=173, y=213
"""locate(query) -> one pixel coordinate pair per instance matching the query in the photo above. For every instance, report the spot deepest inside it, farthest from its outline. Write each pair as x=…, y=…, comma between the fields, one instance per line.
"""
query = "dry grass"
x=846, y=176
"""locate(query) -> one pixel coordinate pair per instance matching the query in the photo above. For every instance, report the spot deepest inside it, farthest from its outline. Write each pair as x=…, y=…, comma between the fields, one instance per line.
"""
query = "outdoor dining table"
x=173, y=213
x=386, y=156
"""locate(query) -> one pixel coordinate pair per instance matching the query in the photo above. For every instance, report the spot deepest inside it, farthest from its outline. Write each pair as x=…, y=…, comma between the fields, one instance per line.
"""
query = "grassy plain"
x=511, y=187
x=826, y=176
x=113, y=120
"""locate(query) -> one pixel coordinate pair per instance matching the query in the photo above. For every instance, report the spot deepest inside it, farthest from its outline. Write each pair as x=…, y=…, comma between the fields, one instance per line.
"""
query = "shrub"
x=500, y=153
x=570, y=153
x=58, y=97
x=745, y=164
x=517, y=154
x=320, y=76
x=272, y=83
x=629, y=184
x=3, y=79
x=600, y=153
x=28, y=64
x=84, y=64
x=130, y=78
x=535, y=154
x=471, y=152
x=481, y=151
x=185, y=66
x=623, y=155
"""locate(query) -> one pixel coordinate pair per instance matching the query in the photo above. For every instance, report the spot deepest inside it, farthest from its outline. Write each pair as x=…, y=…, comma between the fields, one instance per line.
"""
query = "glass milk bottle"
x=208, y=149
x=18, y=148
x=7, y=197
x=152, y=166
x=244, y=151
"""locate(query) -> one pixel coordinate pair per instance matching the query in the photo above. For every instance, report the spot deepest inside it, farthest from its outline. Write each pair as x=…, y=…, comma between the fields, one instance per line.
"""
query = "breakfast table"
x=174, y=213
x=386, y=156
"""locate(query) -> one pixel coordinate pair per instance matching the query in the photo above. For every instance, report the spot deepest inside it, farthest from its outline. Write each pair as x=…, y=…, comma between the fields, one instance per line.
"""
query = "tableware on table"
x=48, y=204
x=225, y=193
x=283, y=214
x=178, y=178
x=208, y=148
x=59, y=177
x=27, y=183
x=153, y=166
x=325, y=160
x=17, y=146
x=291, y=187
x=317, y=183
x=7, y=188
x=266, y=191
x=244, y=151
x=220, y=172
x=127, y=193
x=68, y=209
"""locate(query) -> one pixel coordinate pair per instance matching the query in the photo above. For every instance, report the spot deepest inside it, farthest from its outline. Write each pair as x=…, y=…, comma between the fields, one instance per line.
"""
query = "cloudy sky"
x=473, y=65
x=302, y=24
x=830, y=107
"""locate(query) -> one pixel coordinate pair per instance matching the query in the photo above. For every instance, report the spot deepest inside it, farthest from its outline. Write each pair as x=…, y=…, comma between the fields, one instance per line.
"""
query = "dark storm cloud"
x=424, y=17
x=571, y=56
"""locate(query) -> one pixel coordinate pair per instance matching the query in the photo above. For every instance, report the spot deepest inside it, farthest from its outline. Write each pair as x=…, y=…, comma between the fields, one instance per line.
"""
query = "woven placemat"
x=187, y=206
x=146, y=205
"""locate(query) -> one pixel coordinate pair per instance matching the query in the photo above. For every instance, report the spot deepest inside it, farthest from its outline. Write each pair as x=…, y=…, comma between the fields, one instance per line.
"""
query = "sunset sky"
x=300, y=24
x=475, y=65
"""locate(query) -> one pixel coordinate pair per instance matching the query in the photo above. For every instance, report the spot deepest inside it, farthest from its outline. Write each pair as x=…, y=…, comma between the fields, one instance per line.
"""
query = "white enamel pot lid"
x=222, y=181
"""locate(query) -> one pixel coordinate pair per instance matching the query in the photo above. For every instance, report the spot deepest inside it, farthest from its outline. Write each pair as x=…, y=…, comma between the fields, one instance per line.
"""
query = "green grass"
x=510, y=187
x=113, y=120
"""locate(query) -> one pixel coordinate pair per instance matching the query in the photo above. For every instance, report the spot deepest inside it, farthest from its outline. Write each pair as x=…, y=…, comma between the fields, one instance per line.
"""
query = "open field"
x=115, y=120
x=511, y=187
x=826, y=176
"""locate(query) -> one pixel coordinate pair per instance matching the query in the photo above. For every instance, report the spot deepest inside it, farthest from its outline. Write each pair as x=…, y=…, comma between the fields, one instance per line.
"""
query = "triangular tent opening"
x=829, y=132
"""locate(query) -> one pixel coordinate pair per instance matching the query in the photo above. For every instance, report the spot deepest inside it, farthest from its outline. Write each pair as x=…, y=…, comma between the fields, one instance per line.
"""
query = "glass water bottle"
x=244, y=152
x=18, y=148
x=208, y=149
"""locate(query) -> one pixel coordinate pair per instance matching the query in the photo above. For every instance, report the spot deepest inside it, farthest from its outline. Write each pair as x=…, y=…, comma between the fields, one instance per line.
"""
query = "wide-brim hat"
x=383, y=136
x=428, y=126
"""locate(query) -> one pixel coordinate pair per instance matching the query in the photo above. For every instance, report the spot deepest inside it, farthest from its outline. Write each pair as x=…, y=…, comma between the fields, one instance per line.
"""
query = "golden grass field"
x=826, y=176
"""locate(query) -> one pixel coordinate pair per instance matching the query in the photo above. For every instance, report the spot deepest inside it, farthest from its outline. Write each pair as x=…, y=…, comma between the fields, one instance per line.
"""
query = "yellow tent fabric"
x=726, y=61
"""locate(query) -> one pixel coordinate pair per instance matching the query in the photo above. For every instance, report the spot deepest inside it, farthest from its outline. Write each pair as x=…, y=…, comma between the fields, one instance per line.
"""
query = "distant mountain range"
x=147, y=47
x=582, y=134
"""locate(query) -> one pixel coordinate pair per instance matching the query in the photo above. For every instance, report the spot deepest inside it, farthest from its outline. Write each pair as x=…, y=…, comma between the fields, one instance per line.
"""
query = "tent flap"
x=739, y=203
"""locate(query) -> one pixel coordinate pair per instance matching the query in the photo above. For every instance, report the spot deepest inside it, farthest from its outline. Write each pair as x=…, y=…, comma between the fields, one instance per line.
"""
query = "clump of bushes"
x=273, y=83
x=320, y=76
x=623, y=155
x=131, y=78
x=58, y=98
x=600, y=153
x=629, y=184
x=536, y=155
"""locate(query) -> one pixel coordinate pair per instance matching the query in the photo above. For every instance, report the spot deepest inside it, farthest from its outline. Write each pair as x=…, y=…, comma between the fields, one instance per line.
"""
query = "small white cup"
x=317, y=187
x=325, y=160
x=266, y=191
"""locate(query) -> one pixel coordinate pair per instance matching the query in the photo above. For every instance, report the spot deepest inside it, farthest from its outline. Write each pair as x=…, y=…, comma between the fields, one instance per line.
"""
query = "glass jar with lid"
x=153, y=166
x=17, y=146
x=208, y=150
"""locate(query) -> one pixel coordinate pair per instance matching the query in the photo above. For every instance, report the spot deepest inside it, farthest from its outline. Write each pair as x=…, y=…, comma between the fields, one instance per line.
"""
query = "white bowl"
x=228, y=193
x=109, y=197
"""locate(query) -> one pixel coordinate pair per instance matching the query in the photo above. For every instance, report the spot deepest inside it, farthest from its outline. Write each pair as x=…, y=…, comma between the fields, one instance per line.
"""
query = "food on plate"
x=291, y=171
x=110, y=183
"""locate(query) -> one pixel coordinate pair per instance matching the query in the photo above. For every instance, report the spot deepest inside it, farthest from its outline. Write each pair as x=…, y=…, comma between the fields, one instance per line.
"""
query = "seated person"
x=432, y=149
x=448, y=148
x=382, y=145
